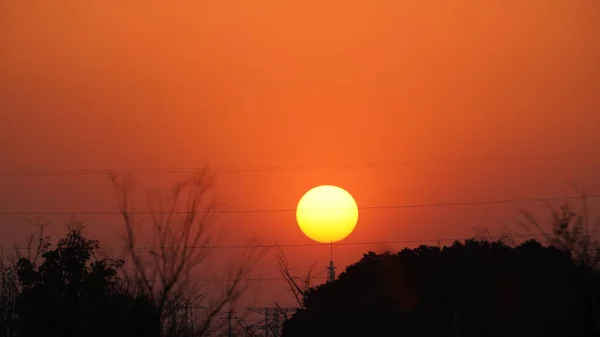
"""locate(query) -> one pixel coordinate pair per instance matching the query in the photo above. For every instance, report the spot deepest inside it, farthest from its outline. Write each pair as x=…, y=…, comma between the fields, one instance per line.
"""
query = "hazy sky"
x=154, y=84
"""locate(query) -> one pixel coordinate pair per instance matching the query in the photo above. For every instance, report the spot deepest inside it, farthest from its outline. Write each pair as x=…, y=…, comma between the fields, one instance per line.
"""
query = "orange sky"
x=153, y=84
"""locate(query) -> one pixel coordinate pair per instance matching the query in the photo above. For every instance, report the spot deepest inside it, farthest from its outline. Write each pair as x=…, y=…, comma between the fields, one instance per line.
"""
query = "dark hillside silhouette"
x=475, y=288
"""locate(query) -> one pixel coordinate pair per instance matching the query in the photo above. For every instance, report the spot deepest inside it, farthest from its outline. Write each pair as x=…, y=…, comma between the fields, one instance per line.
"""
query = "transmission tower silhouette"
x=273, y=318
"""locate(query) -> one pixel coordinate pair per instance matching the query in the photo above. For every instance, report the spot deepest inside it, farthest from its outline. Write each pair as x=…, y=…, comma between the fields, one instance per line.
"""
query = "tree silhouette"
x=72, y=292
x=180, y=238
x=9, y=282
x=475, y=288
x=9, y=290
x=574, y=232
x=298, y=286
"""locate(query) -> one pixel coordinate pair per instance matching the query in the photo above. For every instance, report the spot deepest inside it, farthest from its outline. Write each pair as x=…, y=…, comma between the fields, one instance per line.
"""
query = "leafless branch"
x=181, y=242
x=571, y=231
x=297, y=285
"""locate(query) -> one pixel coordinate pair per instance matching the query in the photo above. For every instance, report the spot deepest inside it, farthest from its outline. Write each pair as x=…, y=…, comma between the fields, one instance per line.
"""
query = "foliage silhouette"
x=475, y=288
x=72, y=292
x=573, y=232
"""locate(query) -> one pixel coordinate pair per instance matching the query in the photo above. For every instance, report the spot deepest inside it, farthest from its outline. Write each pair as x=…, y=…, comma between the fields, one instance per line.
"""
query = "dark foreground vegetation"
x=475, y=288
x=471, y=288
x=72, y=292
x=73, y=289
x=468, y=289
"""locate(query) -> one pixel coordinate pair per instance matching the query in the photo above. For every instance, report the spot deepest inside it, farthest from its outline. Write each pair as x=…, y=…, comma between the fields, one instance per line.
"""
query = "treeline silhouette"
x=474, y=288
x=471, y=288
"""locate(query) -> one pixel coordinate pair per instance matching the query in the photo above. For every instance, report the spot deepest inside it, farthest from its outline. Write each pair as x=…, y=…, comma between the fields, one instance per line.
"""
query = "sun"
x=327, y=213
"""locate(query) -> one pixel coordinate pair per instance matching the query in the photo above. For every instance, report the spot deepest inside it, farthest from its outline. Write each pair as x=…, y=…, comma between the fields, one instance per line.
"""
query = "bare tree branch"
x=181, y=242
x=299, y=286
x=571, y=231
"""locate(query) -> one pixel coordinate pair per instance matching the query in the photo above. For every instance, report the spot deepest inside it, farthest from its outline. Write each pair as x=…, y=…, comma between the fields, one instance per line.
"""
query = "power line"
x=317, y=244
x=273, y=210
x=39, y=172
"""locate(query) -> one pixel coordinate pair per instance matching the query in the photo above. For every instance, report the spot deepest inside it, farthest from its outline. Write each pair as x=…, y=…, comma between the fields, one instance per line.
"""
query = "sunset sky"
x=295, y=94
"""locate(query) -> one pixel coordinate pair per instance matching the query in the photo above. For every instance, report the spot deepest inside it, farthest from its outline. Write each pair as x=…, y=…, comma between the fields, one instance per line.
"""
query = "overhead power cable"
x=316, y=244
x=272, y=210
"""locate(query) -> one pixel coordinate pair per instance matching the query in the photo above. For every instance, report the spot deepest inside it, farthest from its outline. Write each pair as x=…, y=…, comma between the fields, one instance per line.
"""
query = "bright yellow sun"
x=327, y=213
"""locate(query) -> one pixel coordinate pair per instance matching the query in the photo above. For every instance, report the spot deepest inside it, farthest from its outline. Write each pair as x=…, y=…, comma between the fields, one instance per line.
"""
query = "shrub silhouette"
x=74, y=293
x=475, y=288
